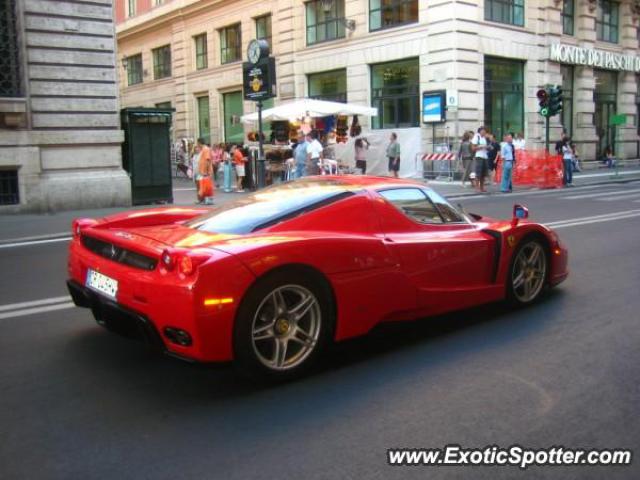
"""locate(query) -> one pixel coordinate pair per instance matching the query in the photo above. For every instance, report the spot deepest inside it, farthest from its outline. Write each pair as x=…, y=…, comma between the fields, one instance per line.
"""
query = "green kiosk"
x=146, y=153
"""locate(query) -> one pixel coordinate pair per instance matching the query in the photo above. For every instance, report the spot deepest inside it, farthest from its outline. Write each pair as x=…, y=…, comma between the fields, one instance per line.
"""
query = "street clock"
x=256, y=50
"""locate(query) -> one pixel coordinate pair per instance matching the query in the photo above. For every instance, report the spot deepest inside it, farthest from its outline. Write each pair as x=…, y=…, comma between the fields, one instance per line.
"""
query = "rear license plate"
x=102, y=283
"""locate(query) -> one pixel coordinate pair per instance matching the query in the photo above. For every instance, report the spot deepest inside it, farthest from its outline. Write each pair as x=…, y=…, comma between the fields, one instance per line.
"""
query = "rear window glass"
x=270, y=206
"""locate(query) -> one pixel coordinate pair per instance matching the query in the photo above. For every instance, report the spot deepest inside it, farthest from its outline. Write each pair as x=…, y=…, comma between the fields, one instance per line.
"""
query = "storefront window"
x=567, y=98
x=161, y=62
x=568, y=12
x=204, y=130
x=503, y=96
x=263, y=29
x=324, y=24
x=201, y=51
x=638, y=103
x=230, y=44
x=134, y=69
x=392, y=13
x=607, y=21
x=505, y=11
x=605, y=97
x=394, y=92
x=331, y=86
x=233, y=129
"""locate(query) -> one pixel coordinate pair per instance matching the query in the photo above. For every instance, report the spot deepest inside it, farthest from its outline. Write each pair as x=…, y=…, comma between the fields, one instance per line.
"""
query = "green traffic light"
x=544, y=111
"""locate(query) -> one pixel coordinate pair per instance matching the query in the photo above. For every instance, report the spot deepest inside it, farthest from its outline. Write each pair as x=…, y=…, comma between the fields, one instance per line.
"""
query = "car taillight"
x=186, y=262
x=79, y=224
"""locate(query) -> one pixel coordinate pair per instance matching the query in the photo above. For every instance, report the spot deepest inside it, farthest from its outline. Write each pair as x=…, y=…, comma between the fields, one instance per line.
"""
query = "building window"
x=331, y=86
x=131, y=8
x=392, y=13
x=263, y=29
x=505, y=11
x=9, y=187
x=134, y=69
x=230, y=44
x=394, y=92
x=163, y=105
x=161, y=62
x=638, y=106
x=567, y=98
x=607, y=21
x=158, y=2
x=568, y=12
x=204, y=130
x=324, y=24
x=503, y=96
x=200, y=42
x=10, y=83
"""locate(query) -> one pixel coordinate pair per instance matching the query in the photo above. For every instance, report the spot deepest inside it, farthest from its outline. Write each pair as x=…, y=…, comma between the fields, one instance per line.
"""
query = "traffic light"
x=543, y=101
x=555, y=100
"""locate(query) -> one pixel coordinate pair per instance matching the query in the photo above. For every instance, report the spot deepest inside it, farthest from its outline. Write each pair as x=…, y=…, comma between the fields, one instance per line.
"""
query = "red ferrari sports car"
x=269, y=279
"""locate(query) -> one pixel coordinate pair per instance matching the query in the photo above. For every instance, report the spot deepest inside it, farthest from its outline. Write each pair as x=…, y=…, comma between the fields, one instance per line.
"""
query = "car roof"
x=369, y=182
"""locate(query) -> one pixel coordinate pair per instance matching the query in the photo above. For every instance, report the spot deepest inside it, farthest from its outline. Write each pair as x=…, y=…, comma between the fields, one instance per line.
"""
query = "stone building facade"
x=60, y=137
x=490, y=56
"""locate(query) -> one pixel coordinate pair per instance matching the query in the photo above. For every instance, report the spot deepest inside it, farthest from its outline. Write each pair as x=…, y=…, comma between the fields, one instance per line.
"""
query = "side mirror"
x=519, y=212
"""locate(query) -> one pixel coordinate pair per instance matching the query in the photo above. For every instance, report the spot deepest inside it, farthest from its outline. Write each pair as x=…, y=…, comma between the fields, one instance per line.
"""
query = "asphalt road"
x=79, y=403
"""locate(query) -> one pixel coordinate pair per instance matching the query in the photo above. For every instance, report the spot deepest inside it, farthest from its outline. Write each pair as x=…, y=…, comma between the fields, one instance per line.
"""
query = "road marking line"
x=35, y=242
x=49, y=236
x=619, y=197
x=548, y=191
x=184, y=189
x=593, y=217
x=31, y=311
x=603, y=194
x=595, y=220
x=34, y=303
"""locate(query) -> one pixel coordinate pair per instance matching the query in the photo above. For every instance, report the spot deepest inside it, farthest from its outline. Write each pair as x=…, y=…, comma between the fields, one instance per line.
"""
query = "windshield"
x=270, y=206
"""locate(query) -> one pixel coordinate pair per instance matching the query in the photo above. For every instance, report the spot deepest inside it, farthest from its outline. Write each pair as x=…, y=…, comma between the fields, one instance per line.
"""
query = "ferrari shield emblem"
x=511, y=240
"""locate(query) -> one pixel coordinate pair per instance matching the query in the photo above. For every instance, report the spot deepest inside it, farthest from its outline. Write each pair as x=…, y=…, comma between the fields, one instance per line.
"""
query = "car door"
x=448, y=258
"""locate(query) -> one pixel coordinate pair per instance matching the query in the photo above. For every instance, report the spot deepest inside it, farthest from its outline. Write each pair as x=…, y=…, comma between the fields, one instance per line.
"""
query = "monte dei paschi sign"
x=593, y=58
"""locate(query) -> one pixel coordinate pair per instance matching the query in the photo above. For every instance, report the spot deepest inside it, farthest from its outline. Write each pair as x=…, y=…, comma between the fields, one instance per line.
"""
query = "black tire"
x=515, y=291
x=248, y=356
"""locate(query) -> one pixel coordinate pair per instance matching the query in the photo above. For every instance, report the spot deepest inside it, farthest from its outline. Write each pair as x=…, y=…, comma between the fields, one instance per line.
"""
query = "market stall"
x=333, y=122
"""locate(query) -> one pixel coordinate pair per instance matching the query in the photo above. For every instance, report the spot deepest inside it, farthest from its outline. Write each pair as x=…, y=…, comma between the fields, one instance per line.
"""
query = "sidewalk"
x=37, y=226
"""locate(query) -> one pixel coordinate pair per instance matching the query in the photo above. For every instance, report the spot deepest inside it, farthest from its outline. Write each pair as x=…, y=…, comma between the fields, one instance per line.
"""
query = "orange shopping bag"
x=205, y=188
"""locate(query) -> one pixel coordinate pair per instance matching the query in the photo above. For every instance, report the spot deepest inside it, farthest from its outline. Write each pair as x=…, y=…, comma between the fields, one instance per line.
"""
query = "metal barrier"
x=438, y=166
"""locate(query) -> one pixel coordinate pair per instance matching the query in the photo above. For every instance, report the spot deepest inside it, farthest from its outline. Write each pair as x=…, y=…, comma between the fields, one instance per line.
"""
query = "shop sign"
x=593, y=58
x=433, y=106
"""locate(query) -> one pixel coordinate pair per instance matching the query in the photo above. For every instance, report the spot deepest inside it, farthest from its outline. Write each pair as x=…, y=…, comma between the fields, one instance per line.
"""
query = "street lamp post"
x=261, y=160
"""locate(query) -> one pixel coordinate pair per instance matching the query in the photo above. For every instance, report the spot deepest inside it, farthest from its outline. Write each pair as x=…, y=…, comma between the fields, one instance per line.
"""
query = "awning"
x=308, y=107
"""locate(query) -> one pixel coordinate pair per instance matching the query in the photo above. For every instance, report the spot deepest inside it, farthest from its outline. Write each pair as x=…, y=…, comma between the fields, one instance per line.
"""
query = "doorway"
x=605, y=99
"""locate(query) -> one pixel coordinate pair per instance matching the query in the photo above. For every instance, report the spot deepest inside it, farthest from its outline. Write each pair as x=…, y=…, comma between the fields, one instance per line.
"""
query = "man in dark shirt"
x=560, y=142
x=492, y=153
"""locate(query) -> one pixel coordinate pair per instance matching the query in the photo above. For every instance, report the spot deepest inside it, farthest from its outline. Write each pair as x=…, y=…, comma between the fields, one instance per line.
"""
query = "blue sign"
x=433, y=107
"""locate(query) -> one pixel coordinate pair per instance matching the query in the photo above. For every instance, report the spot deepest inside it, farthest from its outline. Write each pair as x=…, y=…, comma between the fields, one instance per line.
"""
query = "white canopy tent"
x=308, y=107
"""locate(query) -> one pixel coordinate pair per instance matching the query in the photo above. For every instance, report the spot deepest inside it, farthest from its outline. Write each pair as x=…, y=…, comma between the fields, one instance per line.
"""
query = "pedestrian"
x=216, y=158
x=300, y=156
x=567, y=162
x=560, y=142
x=492, y=154
x=227, y=172
x=480, y=149
x=609, y=159
x=195, y=161
x=393, y=154
x=507, y=152
x=519, y=142
x=314, y=153
x=238, y=163
x=465, y=156
x=361, y=147
x=205, y=172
